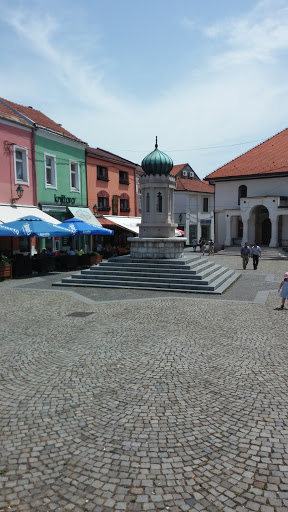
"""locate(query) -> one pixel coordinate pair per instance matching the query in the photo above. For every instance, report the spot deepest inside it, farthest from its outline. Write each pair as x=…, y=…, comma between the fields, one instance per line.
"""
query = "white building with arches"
x=251, y=196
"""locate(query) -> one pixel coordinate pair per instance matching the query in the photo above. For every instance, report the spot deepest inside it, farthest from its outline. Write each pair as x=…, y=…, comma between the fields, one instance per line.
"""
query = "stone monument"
x=157, y=238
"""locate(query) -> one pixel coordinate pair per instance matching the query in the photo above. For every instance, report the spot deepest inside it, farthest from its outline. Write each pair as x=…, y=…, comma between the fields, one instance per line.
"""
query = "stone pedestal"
x=157, y=248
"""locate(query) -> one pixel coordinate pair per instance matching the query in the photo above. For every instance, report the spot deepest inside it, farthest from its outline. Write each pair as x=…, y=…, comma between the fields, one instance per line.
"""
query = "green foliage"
x=4, y=260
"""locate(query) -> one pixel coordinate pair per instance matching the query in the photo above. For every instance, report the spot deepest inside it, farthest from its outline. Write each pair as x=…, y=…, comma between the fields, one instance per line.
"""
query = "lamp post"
x=19, y=192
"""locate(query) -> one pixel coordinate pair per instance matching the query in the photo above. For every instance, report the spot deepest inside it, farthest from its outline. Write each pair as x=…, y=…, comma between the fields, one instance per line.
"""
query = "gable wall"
x=226, y=193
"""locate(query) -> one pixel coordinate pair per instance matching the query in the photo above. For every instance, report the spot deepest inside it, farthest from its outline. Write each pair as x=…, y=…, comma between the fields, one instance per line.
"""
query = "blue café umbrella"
x=4, y=231
x=33, y=226
x=80, y=227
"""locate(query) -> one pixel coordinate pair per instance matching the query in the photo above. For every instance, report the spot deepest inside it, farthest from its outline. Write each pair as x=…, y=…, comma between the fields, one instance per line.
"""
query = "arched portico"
x=260, y=222
x=260, y=225
x=260, y=219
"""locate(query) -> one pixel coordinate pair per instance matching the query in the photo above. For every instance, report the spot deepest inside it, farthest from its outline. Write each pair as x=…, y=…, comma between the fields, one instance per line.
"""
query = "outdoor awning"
x=84, y=214
x=129, y=223
x=9, y=213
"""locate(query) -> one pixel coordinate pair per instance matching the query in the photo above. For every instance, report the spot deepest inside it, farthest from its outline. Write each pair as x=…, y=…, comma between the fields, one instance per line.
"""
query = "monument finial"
x=156, y=145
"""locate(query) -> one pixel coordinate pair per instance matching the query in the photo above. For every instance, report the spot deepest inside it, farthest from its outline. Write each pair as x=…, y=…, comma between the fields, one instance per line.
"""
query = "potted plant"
x=5, y=267
x=95, y=258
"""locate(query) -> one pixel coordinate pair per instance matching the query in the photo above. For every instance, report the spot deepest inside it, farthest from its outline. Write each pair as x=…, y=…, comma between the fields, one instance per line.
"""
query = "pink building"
x=18, y=191
x=17, y=161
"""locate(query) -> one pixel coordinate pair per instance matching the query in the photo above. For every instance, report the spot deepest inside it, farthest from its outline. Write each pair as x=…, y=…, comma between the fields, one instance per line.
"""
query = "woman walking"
x=283, y=289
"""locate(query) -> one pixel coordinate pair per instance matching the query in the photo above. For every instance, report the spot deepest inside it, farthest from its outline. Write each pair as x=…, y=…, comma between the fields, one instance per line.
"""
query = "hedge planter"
x=94, y=260
x=5, y=272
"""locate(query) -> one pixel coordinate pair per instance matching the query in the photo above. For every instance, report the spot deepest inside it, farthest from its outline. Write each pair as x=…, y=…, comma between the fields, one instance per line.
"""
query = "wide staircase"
x=192, y=273
x=268, y=253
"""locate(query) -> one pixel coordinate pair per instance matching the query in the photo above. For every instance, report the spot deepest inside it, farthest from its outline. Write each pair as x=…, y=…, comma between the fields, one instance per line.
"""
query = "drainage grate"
x=80, y=314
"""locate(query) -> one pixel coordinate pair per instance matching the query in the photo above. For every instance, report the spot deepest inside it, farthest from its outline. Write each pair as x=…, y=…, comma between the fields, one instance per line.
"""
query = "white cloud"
x=79, y=78
x=222, y=103
x=256, y=36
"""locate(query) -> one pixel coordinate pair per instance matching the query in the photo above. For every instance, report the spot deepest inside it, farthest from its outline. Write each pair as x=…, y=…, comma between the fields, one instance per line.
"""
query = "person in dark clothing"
x=245, y=253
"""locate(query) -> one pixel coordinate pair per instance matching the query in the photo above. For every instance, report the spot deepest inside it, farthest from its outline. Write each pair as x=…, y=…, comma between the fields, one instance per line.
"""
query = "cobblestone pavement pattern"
x=168, y=403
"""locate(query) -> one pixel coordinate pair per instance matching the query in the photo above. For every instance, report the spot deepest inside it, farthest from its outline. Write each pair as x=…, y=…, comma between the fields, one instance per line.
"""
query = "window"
x=74, y=177
x=124, y=205
x=50, y=171
x=24, y=244
x=102, y=173
x=148, y=202
x=205, y=204
x=21, y=165
x=103, y=204
x=123, y=178
x=103, y=201
x=184, y=173
x=242, y=192
x=159, y=202
x=191, y=174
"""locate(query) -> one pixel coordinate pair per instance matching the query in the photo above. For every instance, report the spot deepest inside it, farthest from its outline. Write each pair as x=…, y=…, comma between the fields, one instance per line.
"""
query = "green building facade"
x=61, y=178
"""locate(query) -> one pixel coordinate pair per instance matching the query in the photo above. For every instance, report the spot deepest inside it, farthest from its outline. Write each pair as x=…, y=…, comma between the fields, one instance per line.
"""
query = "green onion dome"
x=157, y=162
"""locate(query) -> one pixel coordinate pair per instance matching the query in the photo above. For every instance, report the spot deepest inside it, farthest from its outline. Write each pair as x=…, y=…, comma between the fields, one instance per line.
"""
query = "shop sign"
x=64, y=199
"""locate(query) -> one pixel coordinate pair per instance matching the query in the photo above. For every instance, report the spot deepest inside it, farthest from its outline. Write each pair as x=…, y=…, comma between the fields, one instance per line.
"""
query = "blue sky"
x=209, y=78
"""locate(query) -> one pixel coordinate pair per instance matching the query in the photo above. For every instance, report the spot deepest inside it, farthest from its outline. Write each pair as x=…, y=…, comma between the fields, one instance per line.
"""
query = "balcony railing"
x=122, y=209
x=123, y=181
x=103, y=178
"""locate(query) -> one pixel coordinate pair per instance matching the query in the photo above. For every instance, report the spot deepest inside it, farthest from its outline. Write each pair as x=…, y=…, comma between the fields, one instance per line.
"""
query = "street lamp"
x=19, y=192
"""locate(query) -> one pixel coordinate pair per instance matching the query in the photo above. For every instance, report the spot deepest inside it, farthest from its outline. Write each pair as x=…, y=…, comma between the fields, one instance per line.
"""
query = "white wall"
x=189, y=204
x=226, y=193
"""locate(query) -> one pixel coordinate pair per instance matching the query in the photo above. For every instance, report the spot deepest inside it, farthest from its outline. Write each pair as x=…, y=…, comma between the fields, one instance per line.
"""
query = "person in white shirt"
x=256, y=254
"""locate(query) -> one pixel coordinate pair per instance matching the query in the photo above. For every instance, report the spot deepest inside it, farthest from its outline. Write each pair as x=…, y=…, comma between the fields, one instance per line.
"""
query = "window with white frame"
x=50, y=171
x=205, y=204
x=74, y=177
x=21, y=165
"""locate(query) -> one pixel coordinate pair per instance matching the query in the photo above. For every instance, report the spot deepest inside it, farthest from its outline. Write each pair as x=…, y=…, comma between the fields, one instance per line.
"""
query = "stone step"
x=205, y=278
x=268, y=253
x=192, y=273
x=218, y=286
x=203, y=267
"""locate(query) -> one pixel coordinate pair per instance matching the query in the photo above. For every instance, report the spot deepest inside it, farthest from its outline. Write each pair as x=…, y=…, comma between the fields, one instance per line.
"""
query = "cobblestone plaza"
x=128, y=400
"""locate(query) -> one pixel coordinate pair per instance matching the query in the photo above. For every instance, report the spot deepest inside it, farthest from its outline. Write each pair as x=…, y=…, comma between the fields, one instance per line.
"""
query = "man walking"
x=194, y=244
x=256, y=254
x=245, y=253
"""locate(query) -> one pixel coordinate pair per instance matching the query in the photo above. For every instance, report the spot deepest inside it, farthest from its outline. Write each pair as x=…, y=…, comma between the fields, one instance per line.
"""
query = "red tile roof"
x=270, y=157
x=193, y=186
x=106, y=155
x=177, y=168
x=7, y=113
x=40, y=119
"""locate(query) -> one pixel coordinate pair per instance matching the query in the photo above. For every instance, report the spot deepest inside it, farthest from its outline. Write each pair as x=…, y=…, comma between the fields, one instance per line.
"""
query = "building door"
x=192, y=233
x=262, y=225
x=266, y=231
x=205, y=232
